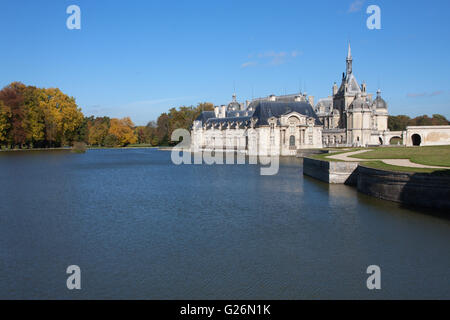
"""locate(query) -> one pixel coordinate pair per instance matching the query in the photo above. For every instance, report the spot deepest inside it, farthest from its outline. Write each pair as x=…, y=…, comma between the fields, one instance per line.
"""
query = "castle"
x=282, y=125
x=351, y=117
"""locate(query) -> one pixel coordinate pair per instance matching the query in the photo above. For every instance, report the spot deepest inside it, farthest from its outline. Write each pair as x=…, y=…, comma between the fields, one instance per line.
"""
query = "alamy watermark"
x=74, y=280
x=233, y=150
x=374, y=20
x=374, y=280
x=73, y=22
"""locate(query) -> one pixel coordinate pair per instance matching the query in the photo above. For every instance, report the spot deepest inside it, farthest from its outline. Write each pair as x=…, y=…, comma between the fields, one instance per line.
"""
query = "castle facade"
x=282, y=125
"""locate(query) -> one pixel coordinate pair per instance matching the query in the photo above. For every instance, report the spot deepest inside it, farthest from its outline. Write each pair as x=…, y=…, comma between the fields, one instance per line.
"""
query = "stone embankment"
x=414, y=189
x=430, y=190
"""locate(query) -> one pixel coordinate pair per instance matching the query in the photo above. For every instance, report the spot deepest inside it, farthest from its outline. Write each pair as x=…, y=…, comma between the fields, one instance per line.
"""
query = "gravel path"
x=407, y=163
x=393, y=162
x=345, y=156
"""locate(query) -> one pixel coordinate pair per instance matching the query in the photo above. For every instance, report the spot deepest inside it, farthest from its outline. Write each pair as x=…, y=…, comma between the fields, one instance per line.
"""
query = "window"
x=292, y=141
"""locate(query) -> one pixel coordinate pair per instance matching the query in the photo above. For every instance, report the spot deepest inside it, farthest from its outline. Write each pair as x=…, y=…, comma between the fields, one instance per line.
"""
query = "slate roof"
x=228, y=119
x=326, y=104
x=264, y=110
x=353, y=86
x=238, y=113
x=379, y=103
x=234, y=105
x=359, y=103
x=205, y=115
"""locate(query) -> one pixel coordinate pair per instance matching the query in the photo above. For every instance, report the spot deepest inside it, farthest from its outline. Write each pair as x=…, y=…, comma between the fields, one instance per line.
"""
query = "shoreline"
x=70, y=149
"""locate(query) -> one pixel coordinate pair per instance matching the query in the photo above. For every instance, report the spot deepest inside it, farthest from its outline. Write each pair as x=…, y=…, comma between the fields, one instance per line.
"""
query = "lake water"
x=140, y=227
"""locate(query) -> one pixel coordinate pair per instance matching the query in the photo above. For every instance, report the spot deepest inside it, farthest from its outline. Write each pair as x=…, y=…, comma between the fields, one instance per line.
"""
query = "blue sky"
x=139, y=58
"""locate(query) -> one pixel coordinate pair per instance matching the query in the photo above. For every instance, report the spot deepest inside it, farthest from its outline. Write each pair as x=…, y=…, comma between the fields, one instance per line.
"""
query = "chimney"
x=216, y=111
x=223, y=111
x=311, y=100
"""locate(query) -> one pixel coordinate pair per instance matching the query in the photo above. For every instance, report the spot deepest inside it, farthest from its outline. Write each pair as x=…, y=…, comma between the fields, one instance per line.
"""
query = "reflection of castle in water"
x=285, y=124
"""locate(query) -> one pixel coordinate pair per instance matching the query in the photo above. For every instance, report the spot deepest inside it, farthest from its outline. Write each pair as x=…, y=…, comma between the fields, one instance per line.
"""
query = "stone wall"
x=415, y=189
x=333, y=172
x=427, y=136
x=430, y=190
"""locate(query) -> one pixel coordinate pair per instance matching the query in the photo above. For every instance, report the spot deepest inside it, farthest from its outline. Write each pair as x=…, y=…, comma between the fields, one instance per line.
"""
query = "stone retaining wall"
x=430, y=190
x=416, y=189
x=333, y=172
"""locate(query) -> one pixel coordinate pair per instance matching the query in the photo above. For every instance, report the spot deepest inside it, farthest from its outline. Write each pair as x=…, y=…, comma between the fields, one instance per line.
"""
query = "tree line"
x=399, y=123
x=158, y=133
x=32, y=117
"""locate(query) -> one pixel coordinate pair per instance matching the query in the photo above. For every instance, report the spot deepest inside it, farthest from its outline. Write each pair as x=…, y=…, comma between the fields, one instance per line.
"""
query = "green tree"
x=162, y=130
x=111, y=141
x=398, y=123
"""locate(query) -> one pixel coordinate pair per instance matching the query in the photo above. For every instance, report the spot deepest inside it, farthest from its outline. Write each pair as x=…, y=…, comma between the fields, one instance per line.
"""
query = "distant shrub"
x=79, y=147
x=111, y=141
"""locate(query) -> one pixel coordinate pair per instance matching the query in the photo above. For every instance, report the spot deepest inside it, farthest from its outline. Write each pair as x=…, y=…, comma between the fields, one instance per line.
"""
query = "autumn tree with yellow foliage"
x=32, y=117
x=123, y=130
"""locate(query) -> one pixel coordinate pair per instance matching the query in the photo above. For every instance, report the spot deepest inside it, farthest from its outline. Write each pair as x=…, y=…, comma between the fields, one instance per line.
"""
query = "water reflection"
x=141, y=227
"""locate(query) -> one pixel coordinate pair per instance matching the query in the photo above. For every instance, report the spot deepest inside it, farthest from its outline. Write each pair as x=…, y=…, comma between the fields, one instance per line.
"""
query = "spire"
x=234, y=90
x=349, y=60
x=349, y=54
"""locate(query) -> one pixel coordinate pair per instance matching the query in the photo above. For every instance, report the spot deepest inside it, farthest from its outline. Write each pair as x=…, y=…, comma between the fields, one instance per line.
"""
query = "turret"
x=363, y=88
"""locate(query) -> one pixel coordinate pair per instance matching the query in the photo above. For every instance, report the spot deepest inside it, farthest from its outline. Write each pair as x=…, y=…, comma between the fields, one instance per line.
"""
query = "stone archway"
x=396, y=141
x=416, y=140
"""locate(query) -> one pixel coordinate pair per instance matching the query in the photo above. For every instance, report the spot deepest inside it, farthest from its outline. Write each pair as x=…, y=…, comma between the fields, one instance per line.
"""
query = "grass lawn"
x=384, y=166
x=140, y=145
x=323, y=156
x=333, y=152
x=432, y=156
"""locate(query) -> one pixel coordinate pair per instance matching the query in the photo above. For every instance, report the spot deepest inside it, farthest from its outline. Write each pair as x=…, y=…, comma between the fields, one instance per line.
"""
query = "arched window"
x=292, y=141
